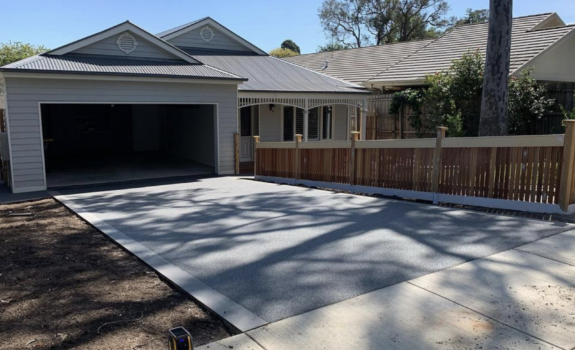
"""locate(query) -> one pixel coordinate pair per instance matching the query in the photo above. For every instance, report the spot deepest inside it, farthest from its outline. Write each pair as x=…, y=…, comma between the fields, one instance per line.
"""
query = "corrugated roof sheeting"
x=358, y=65
x=440, y=54
x=119, y=65
x=266, y=73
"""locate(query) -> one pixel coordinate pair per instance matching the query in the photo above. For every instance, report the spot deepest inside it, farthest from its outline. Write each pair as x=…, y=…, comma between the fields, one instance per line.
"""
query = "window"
x=326, y=123
x=288, y=124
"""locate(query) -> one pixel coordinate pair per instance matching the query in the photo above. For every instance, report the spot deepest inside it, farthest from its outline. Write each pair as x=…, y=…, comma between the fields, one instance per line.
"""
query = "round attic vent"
x=207, y=34
x=127, y=43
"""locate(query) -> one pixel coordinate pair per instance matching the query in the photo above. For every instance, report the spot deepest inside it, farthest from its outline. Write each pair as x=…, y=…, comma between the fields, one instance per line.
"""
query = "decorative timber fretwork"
x=303, y=103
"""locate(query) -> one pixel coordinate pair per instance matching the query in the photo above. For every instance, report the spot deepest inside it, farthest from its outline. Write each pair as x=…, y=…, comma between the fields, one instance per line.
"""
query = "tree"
x=471, y=17
x=15, y=51
x=494, y=101
x=358, y=23
x=281, y=53
x=331, y=47
x=290, y=45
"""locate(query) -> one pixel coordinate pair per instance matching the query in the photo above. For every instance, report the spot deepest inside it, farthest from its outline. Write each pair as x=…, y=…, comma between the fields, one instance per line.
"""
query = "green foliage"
x=281, y=53
x=290, y=45
x=528, y=103
x=453, y=99
x=15, y=51
x=471, y=17
x=568, y=114
x=332, y=47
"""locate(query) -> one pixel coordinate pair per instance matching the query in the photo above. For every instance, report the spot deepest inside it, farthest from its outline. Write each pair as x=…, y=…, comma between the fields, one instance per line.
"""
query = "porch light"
x=272, y=108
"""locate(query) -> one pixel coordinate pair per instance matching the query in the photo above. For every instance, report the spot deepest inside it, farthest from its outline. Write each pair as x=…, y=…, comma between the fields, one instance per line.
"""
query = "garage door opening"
x=86, y=144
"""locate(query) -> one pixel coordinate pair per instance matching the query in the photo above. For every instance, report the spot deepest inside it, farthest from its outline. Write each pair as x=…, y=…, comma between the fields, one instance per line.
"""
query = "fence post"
x=256, y=141
x=567, y=168
x=437, y=162
x=354, y=136
x=297, y=162
x=237, y=153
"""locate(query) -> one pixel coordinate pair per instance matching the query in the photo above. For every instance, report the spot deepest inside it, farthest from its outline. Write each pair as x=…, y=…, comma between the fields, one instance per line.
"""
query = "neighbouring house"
x=542, y=41
x=125, y=105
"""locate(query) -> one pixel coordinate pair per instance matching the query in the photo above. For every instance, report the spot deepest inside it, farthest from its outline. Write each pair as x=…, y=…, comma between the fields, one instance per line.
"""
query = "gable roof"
x=120, y=28
x=526, y=44
x=270, y=74
x=359, y=64
x=177, y=31
x=118, y=66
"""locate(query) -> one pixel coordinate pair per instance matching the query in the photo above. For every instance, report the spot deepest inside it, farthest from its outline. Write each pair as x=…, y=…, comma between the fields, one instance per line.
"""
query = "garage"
x=87, y=144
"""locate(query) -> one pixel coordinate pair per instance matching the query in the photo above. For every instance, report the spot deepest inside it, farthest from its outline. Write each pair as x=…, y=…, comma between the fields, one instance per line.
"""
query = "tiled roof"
x=266, y=73
x=439, y=55
x=113, y=65
x=358, y=65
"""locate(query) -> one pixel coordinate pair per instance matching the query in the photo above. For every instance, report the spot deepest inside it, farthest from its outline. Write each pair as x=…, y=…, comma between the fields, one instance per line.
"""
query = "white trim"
x=216, y=115
x=221, y=28
x=71, y=76
x=544, y=22
x=126, y=26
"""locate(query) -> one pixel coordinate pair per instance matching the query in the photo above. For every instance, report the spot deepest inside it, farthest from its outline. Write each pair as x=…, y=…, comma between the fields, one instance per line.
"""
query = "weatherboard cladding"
x=220, y=41
x=440, y=54
x=108, y=46
x=358, y=65
x=266, y=73
x=24, y=96
x=72, y=63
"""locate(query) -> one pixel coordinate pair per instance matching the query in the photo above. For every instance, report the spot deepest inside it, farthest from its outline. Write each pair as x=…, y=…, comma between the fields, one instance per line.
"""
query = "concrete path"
x=519, y=299
x=279, y=251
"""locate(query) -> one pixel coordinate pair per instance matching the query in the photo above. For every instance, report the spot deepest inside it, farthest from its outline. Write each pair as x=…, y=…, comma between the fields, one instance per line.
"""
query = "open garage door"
x=86, y=144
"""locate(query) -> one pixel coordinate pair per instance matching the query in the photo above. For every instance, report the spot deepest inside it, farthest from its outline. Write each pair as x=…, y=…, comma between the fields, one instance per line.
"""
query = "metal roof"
x=266, y=73
x=359, y=64
x=117, y=65
x=438, y=55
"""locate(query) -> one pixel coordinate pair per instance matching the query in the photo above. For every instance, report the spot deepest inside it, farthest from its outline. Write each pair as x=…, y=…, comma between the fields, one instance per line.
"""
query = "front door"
x=246, y=137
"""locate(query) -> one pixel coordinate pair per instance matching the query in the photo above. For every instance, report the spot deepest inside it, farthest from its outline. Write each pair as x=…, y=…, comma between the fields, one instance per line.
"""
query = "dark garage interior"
x=87, y=144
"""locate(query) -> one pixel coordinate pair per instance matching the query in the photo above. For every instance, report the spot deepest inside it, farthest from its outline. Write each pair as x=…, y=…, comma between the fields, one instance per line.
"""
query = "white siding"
x=557, y=63
x=220, y=41
x=108, y=47
x=270, y=123
x=24, y=96
x=340, y=122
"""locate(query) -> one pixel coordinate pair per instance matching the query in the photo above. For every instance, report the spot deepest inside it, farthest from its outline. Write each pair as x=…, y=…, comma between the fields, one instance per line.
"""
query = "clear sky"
x=265, y=23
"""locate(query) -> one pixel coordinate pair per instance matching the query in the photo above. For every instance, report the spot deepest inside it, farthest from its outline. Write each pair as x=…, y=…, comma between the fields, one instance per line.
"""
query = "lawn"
x=64, y=285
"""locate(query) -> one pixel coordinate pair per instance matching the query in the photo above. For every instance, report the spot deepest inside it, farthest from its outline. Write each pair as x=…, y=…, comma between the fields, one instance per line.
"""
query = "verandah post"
x=237, y=153
x=256, y=141
x=297, y=162
x=436, y=171
x=354, y=136
x=567, y=168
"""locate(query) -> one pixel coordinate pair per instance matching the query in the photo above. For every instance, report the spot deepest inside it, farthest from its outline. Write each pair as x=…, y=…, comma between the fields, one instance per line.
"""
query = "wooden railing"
x=519, y=169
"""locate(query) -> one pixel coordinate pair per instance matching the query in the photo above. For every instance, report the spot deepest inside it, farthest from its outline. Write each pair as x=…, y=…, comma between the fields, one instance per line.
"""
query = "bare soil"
x=64, y=285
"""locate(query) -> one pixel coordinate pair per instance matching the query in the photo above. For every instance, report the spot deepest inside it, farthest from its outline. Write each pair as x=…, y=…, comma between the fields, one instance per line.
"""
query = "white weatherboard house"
x=124, y=104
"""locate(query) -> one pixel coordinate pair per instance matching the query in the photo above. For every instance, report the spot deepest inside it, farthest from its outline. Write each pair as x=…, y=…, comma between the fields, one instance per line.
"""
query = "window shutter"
x=313, y=124
x=288, y=124
x=299, y=121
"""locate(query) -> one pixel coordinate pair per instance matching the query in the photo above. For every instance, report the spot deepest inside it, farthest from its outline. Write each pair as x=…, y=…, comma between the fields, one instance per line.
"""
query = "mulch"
x=65, y=285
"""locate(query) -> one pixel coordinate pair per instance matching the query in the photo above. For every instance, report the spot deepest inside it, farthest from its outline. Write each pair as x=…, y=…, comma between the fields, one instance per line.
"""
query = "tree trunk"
x=494, y=109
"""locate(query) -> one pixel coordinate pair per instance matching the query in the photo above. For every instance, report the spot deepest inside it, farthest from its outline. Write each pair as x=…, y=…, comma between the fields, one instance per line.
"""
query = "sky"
x=265, y=23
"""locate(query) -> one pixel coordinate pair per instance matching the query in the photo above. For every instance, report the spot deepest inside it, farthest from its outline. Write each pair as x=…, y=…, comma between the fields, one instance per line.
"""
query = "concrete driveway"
x=279, y=251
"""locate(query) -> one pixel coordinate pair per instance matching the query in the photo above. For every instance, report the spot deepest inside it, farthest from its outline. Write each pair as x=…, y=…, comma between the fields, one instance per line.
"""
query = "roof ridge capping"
x=123, y=26
x=180, y=30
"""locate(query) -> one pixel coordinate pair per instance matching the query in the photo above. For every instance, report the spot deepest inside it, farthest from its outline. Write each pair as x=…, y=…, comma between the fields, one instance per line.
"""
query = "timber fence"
x=530, y=173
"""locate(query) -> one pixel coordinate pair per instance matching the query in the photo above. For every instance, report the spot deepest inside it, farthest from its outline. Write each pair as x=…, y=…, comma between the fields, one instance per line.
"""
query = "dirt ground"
x=64, y=285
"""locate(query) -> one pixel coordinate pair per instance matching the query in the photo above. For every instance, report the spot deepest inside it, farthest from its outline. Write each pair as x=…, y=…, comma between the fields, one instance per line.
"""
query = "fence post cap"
x=355, y=132
x=442, y=128
x=257, y=138
x=568, y=121
x=299, y=135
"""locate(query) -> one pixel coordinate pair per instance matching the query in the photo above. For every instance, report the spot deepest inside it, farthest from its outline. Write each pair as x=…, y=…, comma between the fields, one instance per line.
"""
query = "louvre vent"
x=127, y=43
x=299, y=121
x=207, y=34
x=288, y=124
